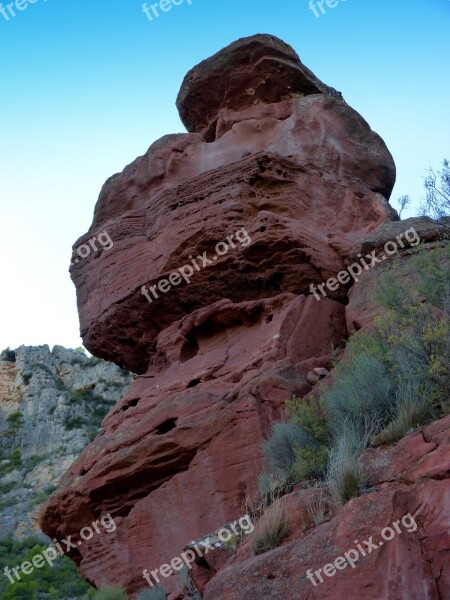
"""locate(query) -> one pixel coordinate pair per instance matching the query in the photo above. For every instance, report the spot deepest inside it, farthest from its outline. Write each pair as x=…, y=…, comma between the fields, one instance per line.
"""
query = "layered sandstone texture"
x=270, y=149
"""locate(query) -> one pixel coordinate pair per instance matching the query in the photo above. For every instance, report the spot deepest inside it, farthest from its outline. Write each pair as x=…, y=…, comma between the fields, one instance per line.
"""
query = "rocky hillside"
x=51, y=406
x=229, y=291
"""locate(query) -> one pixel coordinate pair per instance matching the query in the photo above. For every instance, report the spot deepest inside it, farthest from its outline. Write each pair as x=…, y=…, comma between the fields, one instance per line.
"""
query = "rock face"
x=51, y=405
x=278, y=160
x=413, y=479
x=362, y=308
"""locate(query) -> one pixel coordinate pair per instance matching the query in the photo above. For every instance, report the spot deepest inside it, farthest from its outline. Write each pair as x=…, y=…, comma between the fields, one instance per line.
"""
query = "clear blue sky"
x=87, y=86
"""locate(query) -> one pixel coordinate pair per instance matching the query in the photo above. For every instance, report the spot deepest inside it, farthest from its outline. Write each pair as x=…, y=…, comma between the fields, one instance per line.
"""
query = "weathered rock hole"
x=193, y=383
x=166, y=426
x=202, y=563
x=190, y=347
x=130, y=404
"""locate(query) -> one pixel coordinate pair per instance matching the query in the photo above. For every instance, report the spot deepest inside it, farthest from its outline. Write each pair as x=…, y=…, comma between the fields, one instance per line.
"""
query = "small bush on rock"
x=154, y=593
x=8, y=355
x=311, y=455
x=110, y=593
x=362, y=393
x=271, y=528
x=345, y=477
x=280, y=448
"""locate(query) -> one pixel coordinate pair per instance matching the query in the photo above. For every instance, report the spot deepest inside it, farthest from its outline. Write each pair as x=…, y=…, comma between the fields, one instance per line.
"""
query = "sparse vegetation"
x=189, y=587
x=155, y=593
x=437, y=185
x=15, y=422
x=110, y=593
x=39, y=499
x=412, y=408
x=8, y=355
x=311, y=456
x=268, y=483
x=13, y=461
x=390, y=381
x=345, y=476
x=74, y=423
x=361, y=394
x=94, y=405
x=279, y=449
x=5, y=488
x=318, y=508
x=45, y=368
x=33, y=461
x=272, y=526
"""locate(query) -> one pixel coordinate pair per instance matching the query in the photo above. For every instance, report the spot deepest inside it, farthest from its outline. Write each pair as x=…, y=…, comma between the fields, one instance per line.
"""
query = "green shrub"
x=154, y=593
x=280, y=448
x=311, y=455
x=74, y=423
x=62, y=580
x=110, y=593
x=268, y=483
x=361, y=394
x=5, y=488
x=33, y=461
x=45, y=368
x=8, y=355
x=412, y=408
x=15, y=422
x=271, y=528
x=15, y=462
x=317, y=506
x=15, y=418
x=418, y=331
x=86, y=395
x=345, y=476
x=40, y=499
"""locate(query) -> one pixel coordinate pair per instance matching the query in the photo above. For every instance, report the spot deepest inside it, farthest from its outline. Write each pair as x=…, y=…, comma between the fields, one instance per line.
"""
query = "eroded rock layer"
x=281, y=156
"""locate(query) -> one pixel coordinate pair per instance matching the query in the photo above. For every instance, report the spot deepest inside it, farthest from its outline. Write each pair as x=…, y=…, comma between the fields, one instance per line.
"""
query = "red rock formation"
x=411, y=478
x=278, y=153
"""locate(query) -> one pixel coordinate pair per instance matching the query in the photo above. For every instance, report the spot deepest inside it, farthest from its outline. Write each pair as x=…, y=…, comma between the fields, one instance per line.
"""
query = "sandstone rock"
x=261, y=69
x=275, y=154
x=183, y=433
x=306, y=177
x=413, y=564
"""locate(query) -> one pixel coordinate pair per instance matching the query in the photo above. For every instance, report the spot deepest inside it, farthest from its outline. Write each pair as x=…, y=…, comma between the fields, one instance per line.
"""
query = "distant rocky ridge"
x=51, y=406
